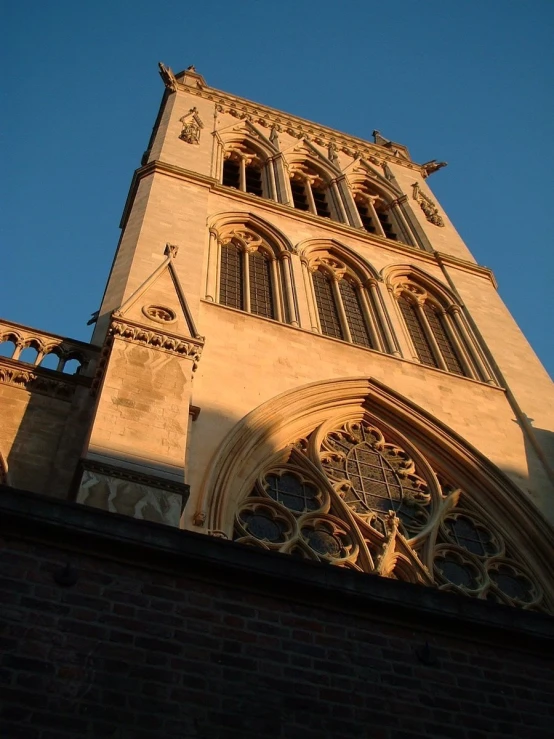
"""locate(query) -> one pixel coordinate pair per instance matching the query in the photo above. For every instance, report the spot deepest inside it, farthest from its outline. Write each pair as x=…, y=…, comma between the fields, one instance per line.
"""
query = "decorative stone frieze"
x=427, y=206
x=161, y=340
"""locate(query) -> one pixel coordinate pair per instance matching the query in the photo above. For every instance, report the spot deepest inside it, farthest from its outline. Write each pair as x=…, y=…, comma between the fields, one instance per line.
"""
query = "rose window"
x=352, y=495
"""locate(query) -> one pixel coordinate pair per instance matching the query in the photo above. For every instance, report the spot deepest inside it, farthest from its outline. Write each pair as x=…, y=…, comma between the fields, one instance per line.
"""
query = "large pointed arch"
x=275, y=436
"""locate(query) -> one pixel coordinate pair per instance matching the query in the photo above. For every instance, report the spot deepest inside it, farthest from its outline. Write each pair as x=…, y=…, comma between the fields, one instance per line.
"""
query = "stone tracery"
x=352, y=495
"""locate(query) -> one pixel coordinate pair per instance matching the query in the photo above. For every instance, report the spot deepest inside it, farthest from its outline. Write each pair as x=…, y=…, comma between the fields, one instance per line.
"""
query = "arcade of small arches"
x=42, y=351
x=250, y=269
x=312, y=185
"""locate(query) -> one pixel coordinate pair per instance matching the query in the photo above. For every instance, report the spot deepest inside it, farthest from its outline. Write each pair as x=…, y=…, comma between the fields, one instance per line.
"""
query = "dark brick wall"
x=133, y=650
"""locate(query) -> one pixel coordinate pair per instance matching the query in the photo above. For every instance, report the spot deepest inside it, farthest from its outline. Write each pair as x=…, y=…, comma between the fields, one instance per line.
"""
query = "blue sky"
x=470, y=82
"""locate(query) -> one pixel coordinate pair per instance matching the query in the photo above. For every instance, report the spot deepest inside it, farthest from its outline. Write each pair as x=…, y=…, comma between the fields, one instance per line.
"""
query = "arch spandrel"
x=451, y=519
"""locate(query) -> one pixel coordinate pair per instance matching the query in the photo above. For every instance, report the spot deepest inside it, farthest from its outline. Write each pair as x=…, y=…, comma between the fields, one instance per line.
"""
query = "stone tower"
x=296, y=350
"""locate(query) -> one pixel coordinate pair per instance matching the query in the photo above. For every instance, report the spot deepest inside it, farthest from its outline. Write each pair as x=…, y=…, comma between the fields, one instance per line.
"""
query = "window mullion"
x=369, y=318
x=242, y=161
x=275, y=291
x=374, y=217
x=338, y=200
x=310, y=196
x=246, y=278
x=270, y=175
x=340, y=308
x=383, y=323
x=430, y=336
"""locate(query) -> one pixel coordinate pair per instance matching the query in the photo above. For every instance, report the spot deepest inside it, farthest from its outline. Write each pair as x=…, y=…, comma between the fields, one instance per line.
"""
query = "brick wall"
x=119, y=628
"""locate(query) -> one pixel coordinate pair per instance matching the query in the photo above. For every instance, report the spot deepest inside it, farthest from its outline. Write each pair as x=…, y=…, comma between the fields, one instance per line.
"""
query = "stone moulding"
x=35, y=380
x=170, y=343
x=427, y=206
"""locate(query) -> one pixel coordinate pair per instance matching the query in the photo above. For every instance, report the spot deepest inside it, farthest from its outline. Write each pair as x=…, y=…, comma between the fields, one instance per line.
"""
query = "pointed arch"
x=377, y=204
x=344, y=295
x=314, y=182
x=435, y=327
x=295, y=474
x=246, y=164
x=249, y=266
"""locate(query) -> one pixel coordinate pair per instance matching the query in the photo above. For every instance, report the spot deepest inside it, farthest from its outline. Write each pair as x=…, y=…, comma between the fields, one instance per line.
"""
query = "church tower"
x=296, y=350
x=301, y=482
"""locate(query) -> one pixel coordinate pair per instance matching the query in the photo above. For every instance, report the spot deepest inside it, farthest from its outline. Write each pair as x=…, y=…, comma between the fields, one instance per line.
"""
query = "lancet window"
x=311, y=192
x=358, y=495
x=347, y=308
x=438, y=333
x=379, y=214
x=251, y=274
x=245, y=169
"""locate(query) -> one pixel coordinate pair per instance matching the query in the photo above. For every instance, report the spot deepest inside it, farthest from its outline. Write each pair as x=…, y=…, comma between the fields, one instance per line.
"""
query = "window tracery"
x=437, y=331
x=378, y=213
x=245, y=169
x=347, y=308
x=312, y=192
x=353, y=494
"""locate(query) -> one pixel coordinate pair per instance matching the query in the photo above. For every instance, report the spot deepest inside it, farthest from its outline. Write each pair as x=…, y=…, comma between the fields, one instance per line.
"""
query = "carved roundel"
x=159, y=313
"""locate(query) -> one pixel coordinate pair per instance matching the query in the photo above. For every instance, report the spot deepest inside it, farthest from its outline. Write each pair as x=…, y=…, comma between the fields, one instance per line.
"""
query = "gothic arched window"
x=250, y=274
x=312, y=192
x=437, y=330
x=379, y=213
x=245, y=169
x=346, y=308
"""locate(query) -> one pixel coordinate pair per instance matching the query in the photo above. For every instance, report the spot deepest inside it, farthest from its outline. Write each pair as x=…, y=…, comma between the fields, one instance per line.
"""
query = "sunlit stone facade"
x=296, y=350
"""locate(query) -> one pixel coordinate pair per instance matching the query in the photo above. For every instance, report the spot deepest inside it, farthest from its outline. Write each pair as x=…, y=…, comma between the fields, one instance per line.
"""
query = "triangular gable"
x=160, y=301
x=313, y=152
x=363, y=167
x=248, y=128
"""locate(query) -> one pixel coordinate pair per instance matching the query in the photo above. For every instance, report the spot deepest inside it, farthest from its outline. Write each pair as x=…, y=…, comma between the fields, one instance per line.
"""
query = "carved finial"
x=171, y=250
x=167, y=76
x=191, y=68
x=432, y=166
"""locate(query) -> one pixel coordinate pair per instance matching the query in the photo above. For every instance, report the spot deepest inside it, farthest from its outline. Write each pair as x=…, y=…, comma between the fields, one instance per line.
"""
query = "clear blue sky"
x=466, y=81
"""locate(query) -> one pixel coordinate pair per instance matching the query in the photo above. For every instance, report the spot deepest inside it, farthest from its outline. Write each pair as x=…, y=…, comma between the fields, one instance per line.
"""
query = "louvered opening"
x=365, y=217
x=254, y=180
x=320, y=200
x=299, y=196
x=231, y=173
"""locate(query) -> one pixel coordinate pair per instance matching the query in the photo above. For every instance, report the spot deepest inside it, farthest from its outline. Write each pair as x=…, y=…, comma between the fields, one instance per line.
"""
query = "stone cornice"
x=164, y=341
x=43, y=381
x=75, y=527
x=296, y=126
